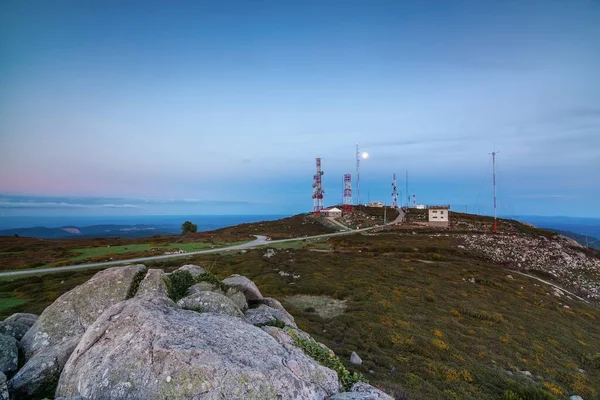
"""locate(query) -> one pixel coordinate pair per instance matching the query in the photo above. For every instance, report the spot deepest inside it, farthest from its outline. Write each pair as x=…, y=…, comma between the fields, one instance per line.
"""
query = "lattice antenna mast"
x=494, y=182
x=394, y=192
x=357, y=175
x=318, y=191
x=347, y=202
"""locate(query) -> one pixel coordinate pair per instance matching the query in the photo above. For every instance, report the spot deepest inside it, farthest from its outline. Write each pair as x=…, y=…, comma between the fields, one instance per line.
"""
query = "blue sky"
x=220, y=107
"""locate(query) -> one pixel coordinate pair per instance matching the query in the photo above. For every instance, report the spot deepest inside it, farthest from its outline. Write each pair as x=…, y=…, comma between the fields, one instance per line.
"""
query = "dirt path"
x=549, y=283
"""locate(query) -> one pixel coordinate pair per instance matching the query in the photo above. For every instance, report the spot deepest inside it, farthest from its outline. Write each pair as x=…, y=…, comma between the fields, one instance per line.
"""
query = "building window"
x=441, y=212
x=435, y=211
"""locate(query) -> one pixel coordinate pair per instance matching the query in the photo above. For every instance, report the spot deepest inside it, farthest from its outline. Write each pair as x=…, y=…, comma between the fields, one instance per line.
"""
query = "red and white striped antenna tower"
x=394, y=193
x=494, y=180
x=318, y=189
x=347, y=202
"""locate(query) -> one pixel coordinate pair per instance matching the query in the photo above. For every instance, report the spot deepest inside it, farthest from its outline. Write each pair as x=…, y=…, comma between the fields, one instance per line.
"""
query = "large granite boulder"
x=210, y=302
x=204, y=287
x=265, y=315
x=149, y=348
x=238, y=298
x=245, y=286
x=153, y=283
x=17, y=324
x=362, y=391
x=52, y=338
x=9, y=353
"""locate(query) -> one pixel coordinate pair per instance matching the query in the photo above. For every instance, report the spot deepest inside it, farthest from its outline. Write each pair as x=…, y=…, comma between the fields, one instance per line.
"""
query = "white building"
x=333, y=212
x=439, y=216
x=376, y=204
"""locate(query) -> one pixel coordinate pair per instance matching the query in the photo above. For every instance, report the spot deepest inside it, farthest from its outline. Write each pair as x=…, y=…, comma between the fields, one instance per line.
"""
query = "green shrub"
x=178, y=284
x=211, y=278
x=274, y=322
x=528, y=393
x=328, y=359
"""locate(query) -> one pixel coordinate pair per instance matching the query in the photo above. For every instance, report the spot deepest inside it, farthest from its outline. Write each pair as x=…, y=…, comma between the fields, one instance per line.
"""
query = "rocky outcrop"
x=147, y=348
x=17, y=325
x=104, y=341
x=54, y=335
x=9, y=354
x=245, y=286
x=555, y=256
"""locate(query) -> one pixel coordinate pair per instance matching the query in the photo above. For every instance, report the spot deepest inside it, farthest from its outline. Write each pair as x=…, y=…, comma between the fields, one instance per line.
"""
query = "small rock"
x=210, y=302
x=194, y=270
x=9, y=354
x=17, y=325
x=362, y=391
x=355, y=359
x=509, y=277
x=204, y=287
x=575, y=397
x=264, y=314
x=566, y=306
x=510, y=373
x=244, y=285
x=3, y=387
x=526, y=373
x=581, y=371
x=238, y=298
x=372, y=372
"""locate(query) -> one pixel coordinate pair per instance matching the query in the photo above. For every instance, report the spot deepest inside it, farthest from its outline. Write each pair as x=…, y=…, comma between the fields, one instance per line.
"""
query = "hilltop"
x=432, y=313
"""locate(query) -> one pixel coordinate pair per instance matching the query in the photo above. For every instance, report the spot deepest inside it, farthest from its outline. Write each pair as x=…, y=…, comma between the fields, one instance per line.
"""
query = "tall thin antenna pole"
x=357, y=175
x=407, y=194
x=494, y=180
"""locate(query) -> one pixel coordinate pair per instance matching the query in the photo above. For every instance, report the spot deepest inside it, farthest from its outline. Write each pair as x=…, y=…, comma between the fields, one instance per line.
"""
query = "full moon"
x=365, y=155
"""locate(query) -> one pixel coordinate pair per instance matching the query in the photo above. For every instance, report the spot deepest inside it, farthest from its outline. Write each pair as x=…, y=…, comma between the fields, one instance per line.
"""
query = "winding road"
x=259, y=241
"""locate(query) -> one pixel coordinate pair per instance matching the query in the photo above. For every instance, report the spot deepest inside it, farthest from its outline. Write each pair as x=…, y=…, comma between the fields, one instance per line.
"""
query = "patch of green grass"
x=10, y=302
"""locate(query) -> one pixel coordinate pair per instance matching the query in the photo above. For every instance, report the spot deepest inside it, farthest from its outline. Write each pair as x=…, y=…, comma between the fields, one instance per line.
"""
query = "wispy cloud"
x=35, y=204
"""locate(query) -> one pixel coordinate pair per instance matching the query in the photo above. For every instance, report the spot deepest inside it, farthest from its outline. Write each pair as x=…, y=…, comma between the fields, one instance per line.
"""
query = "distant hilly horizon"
x=148, y=225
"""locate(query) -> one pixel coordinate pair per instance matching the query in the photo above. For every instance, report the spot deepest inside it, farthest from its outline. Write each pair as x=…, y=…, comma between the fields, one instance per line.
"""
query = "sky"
x=200, y=107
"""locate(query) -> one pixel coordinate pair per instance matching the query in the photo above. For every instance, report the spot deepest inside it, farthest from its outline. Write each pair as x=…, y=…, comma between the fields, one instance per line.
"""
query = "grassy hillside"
x=429, y=319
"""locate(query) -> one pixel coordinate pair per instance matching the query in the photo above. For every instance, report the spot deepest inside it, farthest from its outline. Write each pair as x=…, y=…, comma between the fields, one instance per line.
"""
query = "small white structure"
x=378, y=204
x=332, y=212
x=439, y=216
x=420, y=206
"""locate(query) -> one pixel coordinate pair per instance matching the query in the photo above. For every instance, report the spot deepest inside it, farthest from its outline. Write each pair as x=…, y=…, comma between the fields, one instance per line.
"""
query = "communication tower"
x=394, y=193
x=347, y=203
x=318, y=189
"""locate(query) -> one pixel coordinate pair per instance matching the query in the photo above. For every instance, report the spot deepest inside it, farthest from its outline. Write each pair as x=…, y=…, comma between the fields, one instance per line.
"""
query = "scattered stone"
x=17, y=325
x=263, y=314
x=283, y=273
x=355, y=359
x=147, y=340
x=372, y=372
x=269, y=253
x=54, y=335
x=9, y=354
x=509, y=277
x=526, y=373
x=210, y=302
x=362, y=391
x=581, y=371
x=566, y=306
x=575, y=397
x=244, y=285
x=510, y=373
x=194, y=270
